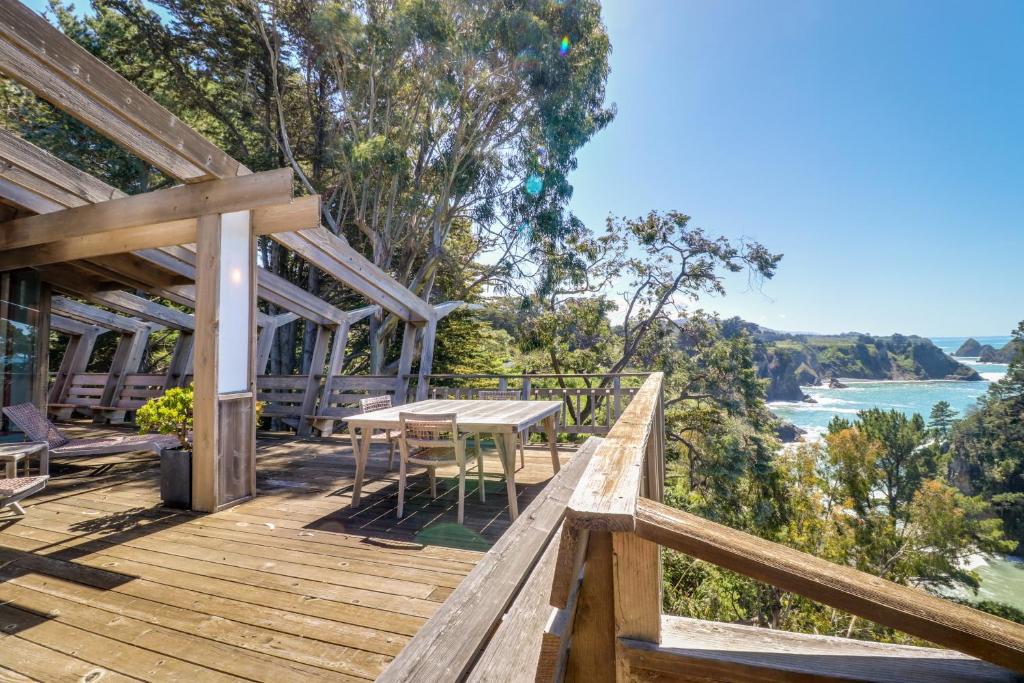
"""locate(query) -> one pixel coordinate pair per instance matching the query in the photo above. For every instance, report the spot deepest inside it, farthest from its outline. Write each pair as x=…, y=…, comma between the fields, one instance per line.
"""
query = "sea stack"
x=969, y=349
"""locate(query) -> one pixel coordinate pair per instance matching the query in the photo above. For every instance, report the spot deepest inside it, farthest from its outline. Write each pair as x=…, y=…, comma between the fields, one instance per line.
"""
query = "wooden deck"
x=99, y=582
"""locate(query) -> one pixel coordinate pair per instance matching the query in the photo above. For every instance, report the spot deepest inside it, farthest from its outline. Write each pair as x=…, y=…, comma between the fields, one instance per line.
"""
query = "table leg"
x=506, y=443
x=11, y=468
x=551, y=427
x=361, y=449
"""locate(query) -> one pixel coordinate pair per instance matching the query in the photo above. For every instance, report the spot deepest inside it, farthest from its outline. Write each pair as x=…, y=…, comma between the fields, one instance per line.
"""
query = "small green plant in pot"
x=168, y=414
x=172, y=414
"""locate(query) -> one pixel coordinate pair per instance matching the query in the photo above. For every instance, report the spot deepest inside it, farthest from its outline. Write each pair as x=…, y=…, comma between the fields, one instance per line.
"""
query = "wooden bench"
x=136, y=390
x=83, y=394
x=282, y=397
x=341, y=396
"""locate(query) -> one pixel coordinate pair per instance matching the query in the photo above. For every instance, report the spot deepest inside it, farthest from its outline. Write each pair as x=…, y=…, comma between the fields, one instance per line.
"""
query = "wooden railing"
x=573, y=592
x=591, y=403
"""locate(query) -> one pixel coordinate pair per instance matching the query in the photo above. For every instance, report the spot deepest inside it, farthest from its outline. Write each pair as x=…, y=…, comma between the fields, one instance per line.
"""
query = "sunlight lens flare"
x=563, y=47
x=534, y=184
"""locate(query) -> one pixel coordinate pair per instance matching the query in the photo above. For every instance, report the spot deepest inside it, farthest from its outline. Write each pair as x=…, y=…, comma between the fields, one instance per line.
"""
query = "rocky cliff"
x=790, y=361
x=1003, y=355
x=969, y=349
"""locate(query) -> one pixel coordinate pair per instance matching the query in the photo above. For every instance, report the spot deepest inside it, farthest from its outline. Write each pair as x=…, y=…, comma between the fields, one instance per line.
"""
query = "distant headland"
x=791, y=360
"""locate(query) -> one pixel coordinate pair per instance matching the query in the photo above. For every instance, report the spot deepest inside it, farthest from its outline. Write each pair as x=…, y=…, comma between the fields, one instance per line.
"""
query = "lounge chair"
x=15, y=489
x=37, y=428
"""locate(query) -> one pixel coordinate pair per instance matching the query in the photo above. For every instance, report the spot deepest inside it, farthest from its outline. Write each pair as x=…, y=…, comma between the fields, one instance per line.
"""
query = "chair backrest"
x=368, y=405
x=35, y=425
x=500, y=395
x=423, y=430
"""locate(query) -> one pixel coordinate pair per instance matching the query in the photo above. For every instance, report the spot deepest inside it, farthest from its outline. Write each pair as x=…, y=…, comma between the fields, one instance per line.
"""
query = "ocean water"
x=1002, y=578
x=910, y=397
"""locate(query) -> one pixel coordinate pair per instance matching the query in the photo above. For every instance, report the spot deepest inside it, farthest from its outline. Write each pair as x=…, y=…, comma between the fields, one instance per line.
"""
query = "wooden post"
x=313, y=377
x=128, y=356
x=405, y=363
x=636, y=569
x=334, y=368
x=223, y=457
x=42, y=349
x=426, y=360
x=76, y=359
x=181, y=360
x=264, y=344
x=592, y=650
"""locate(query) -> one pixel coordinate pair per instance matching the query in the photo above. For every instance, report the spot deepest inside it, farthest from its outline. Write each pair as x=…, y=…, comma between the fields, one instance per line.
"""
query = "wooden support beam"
x=316, y=372
x=405, y=362
x=265, y=339
x=51, y=178
x=94, y=316
x=75, y=360
x=53, y=66
x=334, y=256
x=146, y=211
x=70, y=326
x=426, y=359
x=130, y=352
x=294, y=215
x=181, y=360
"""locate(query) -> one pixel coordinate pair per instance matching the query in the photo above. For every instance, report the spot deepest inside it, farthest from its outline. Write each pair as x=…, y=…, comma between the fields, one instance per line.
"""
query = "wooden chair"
x=504, y=395
x=37, y=428
x=17, y=488
x=368, y=405
x=432, y=440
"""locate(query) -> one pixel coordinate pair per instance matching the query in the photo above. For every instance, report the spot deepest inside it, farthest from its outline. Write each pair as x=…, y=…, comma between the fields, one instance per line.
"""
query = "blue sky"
x=878, y=145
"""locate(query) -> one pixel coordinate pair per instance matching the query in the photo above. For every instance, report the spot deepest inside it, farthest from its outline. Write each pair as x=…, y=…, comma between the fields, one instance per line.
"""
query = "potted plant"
x=172, y=414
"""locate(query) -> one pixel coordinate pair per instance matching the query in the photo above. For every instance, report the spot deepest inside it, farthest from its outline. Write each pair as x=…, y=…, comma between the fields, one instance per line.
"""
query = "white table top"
x=472, y=415
x=15, y=450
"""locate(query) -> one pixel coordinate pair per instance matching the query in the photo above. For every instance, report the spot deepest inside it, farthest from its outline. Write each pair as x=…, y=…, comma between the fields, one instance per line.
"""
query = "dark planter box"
x=176, y=477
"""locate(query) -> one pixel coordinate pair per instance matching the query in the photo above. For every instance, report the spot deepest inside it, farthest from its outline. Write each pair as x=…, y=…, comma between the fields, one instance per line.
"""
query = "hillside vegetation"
x=790, y=361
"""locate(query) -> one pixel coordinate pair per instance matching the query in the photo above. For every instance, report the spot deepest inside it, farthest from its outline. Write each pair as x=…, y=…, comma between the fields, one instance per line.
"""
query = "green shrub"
x=168, y=414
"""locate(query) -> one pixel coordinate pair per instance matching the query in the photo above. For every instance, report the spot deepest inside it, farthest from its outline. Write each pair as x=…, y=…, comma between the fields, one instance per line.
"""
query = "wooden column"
x=313, y=377
x=405, y=363
x=76, y=358
x=42, y=348
x=426, y=360
x=130, y=352
x=223, y=458
x=337, y=363
x=181, y=360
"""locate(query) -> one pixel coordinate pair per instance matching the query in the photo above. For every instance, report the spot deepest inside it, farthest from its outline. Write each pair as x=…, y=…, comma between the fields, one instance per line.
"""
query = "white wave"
x=993, y=376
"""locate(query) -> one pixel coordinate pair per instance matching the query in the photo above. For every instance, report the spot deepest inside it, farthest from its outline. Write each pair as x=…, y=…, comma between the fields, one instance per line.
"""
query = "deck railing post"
x=526, y=387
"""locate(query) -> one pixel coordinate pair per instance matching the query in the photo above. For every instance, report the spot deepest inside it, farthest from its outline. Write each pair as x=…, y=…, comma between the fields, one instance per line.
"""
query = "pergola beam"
x=91, y=315
x=43, y=59
x=334, y=256
x=297, y=214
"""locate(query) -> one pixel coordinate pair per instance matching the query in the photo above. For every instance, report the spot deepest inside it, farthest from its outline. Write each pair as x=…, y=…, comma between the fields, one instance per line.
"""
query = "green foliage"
x=988, y=445
x=168, y=414
x=941, y=419
x=467, y=345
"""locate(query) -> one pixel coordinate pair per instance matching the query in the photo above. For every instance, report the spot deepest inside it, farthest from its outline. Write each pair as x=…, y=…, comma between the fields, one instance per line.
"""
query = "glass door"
x=19, y=339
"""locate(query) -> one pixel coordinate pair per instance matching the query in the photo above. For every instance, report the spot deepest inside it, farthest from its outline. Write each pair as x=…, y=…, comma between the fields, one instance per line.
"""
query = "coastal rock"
x=1003, y=355
x=808, y=399
x=836, y=384
x=789, y=432
x=970, y=348
x=790, y=361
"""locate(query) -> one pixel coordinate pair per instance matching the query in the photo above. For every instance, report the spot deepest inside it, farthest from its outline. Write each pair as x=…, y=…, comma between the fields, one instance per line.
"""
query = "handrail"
x=607, y=496
x=907, y=609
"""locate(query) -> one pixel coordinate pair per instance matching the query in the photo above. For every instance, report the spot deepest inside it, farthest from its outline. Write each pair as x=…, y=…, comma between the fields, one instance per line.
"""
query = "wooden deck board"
x=99, y=581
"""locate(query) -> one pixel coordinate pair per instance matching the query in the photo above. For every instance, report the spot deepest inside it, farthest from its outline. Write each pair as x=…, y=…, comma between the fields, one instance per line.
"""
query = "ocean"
x=1002, y=578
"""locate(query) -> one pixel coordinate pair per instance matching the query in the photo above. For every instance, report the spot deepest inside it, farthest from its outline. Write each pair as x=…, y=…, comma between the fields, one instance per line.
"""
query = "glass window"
x=19, y=332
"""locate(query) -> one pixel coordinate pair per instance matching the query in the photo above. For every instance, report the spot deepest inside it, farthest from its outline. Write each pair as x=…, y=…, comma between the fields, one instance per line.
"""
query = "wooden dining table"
x=505, y=420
